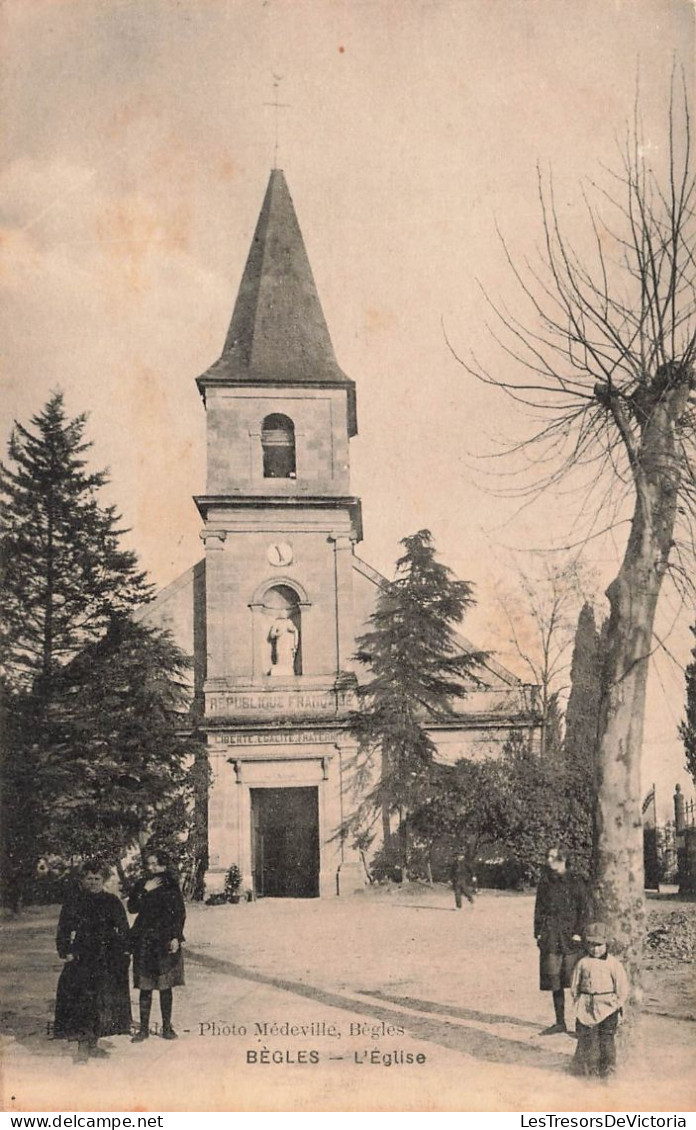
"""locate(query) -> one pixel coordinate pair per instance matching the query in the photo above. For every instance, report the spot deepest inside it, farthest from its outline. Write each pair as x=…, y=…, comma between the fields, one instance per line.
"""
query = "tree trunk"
x=618, y=892
x=386, y=808
x=404, y=842
x=386, y=827
x=543, y=729
x=619, y=898
x=123, y=882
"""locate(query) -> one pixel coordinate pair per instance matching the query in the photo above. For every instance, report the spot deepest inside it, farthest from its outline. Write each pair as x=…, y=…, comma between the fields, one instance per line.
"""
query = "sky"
x=137, y=141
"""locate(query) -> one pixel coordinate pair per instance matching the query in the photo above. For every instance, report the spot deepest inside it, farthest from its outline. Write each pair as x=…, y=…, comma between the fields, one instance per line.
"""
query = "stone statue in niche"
x=284, y=639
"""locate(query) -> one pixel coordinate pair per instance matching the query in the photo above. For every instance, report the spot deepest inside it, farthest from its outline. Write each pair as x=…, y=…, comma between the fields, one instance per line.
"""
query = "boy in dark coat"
x=559, y=920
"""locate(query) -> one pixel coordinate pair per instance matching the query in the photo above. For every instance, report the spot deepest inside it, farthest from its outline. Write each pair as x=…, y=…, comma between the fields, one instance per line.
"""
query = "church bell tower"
x=279, y=529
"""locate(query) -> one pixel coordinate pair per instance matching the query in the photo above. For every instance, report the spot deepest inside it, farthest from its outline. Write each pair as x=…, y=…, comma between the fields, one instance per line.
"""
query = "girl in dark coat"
x=156, y=937
x=92, y=998
x=559, y=920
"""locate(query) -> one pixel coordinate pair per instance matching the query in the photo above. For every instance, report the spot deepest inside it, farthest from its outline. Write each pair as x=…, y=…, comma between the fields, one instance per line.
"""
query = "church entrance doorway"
x=285, y=842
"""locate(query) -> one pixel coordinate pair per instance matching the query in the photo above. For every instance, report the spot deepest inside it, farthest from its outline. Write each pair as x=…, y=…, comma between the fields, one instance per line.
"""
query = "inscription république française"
x=272, y=701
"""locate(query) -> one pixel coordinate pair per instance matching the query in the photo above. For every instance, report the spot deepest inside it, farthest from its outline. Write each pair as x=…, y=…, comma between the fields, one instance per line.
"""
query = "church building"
x=272, y=612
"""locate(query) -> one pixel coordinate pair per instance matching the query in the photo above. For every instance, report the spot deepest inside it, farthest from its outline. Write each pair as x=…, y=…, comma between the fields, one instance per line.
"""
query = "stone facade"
x=272, y=613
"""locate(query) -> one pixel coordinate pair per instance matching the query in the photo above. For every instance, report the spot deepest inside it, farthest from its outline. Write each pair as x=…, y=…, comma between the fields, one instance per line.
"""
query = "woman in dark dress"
x=156, y=937
x=93, y=997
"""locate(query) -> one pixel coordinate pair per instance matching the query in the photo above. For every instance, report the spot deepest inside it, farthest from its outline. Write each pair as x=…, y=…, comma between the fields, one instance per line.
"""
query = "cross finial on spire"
x=277, y=79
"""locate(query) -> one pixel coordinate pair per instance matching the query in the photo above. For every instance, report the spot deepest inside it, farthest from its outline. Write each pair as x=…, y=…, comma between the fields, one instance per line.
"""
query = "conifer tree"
x=18, y=798
x=582, y=711
x=63, y=577
x=418, y=670
x=121, y=749
x=63, y=569
x=580, y=745
x=687, y=729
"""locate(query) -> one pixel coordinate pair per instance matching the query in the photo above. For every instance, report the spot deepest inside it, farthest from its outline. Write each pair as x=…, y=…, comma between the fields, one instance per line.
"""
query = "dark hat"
x=596, y=932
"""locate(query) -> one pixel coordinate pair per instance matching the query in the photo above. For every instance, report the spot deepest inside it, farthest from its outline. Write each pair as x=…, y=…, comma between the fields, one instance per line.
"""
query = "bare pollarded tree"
x=604, y=355
x=541, y=613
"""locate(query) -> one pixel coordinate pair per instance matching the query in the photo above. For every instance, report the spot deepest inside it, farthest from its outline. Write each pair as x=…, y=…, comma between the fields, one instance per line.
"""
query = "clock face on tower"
x=279, y=553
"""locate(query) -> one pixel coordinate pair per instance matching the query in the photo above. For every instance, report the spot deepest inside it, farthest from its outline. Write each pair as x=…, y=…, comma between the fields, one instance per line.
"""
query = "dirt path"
x=364, y=984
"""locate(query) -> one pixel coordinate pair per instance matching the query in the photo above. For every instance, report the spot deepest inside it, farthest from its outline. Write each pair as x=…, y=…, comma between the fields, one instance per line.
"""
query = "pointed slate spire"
x=278, y=324
x=278, y=333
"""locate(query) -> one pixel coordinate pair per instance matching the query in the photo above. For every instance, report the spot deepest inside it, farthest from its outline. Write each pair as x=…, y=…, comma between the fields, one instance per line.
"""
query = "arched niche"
x=278, y=445
x=277, y=613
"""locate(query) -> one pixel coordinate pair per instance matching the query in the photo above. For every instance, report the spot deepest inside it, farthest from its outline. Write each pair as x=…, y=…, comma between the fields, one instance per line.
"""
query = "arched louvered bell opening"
x=278, y=443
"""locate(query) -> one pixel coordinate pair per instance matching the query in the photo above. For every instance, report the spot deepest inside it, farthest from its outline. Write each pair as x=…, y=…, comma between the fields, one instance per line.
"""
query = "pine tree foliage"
x=120, y=753
x=580, y=745
x=63, y=569
x=96, y=747
x=582, y=710
x=687, y=729
x=417, y=672
x=19, y=810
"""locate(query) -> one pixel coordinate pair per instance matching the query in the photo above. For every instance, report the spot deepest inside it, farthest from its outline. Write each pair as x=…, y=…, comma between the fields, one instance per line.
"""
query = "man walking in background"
x=463, y=879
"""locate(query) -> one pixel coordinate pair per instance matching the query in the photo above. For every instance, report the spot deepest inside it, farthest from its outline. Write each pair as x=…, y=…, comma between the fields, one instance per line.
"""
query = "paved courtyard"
x=392, y=1001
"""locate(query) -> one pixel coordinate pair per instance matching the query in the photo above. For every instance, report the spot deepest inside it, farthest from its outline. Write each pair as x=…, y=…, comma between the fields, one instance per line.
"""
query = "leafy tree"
x=465, y=810
x=533, y=805
x=549, y=796
x=181, y=827
x=516, y=804
x=605, y=353
x=528, y=798
x=687, y=729
x=418, y=671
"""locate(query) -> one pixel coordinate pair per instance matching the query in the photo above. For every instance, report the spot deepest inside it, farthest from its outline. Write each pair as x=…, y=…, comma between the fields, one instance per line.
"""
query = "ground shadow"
x=28, y=1017
x=446, y=1033
x=30, y=975
x=449, y=1010
x=421, y=906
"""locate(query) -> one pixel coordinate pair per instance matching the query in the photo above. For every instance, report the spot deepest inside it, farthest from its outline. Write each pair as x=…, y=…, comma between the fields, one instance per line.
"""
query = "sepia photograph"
x=347, y=557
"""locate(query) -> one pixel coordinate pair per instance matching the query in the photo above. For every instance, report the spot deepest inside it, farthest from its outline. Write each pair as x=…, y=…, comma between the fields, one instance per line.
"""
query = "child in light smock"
x=599, y=990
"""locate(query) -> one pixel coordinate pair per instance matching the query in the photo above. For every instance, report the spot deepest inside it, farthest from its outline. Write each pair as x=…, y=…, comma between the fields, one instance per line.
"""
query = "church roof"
x=278, y=334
